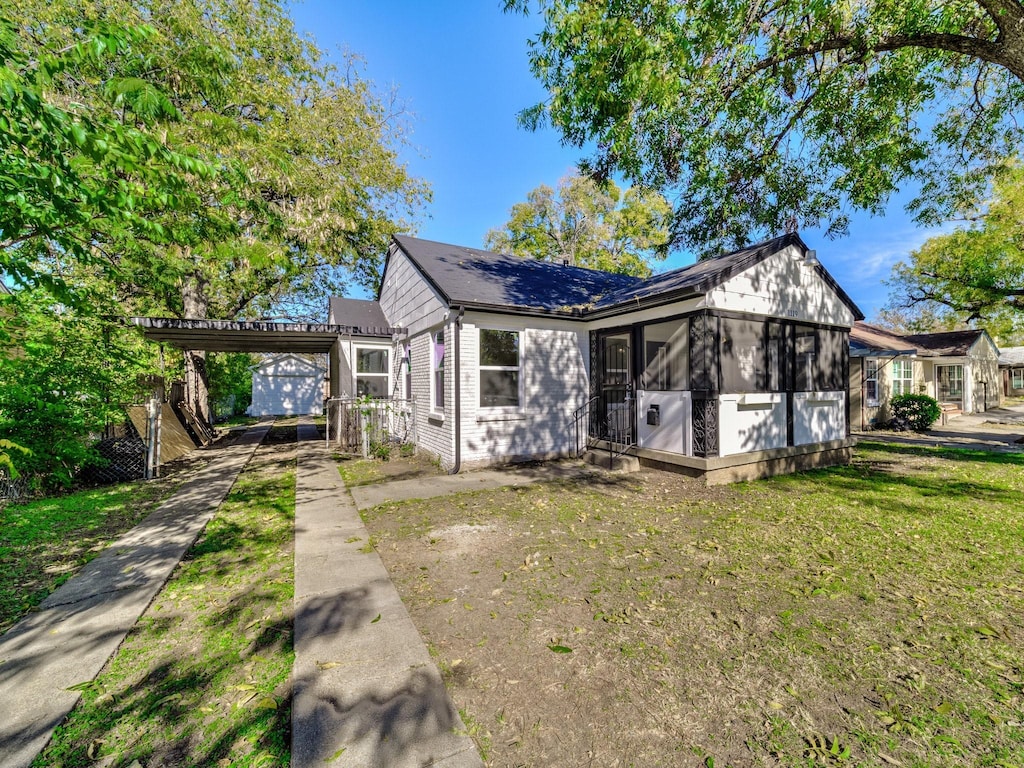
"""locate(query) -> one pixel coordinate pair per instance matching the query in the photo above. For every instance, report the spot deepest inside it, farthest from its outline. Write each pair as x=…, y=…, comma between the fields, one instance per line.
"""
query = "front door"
x=615, y=406
x=950, y=379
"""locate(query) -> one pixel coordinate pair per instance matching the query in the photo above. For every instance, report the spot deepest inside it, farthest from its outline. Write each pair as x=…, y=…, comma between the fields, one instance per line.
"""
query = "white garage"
x=287, y=385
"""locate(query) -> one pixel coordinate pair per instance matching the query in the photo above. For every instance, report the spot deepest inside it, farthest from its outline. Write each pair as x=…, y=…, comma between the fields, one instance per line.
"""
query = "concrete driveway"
x=997, y=429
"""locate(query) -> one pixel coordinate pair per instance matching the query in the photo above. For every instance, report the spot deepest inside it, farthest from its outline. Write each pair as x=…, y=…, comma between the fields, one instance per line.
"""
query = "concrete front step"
x=614, y=463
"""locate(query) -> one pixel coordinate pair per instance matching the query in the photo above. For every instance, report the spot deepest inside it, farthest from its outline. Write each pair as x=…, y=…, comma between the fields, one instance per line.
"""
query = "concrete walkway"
x=77, y=628
x=369, y=496
x=366, y=692
x=997, y=429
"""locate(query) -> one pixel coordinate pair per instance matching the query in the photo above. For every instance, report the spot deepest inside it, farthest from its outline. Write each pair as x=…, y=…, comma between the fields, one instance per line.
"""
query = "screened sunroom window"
x=666, y=358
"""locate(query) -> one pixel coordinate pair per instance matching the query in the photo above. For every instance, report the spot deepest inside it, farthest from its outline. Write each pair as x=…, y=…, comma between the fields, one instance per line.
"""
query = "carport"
x=246, y=336
x=255, y=336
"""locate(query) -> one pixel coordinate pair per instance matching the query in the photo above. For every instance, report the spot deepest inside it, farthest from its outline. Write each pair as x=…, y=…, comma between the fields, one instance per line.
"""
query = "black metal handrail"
x=616, y=429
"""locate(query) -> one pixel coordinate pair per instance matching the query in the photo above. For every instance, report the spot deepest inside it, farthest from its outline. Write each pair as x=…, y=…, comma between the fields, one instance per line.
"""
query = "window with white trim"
x=902, y=377
x=1017, y=378
x=372, y=372
x=951, y=381
x=437, y=371
x=499, y=368
x=871, y=381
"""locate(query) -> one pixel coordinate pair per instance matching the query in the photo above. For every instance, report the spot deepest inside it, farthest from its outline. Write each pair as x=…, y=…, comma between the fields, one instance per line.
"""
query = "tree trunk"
x=197, y=382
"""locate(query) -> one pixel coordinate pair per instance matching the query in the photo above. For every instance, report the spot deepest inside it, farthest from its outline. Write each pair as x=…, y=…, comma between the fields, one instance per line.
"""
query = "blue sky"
x=460, y=67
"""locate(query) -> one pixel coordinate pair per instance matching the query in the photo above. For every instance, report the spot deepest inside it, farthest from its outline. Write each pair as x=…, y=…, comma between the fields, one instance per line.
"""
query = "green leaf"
x=560, y=649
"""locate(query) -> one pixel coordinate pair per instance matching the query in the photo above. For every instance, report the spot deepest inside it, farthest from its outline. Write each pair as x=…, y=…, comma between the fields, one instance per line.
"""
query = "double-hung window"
x=499, y=368
x=902, y=377
x=372, y=372
x=1017, y=378
x=437, y=371
x=871, y=381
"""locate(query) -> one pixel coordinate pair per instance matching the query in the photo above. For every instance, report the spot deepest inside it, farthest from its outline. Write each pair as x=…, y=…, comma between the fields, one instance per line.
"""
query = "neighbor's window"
x=951, y=381
x=499, y=368
x=371, y=372
x=407, y=360
x=666, y=363
x=437, y=373
x=1017, y=378
x=902, y=377
x=871, y=381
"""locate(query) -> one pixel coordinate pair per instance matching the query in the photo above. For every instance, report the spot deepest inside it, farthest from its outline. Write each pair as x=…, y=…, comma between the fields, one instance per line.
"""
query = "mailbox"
x=654, y=415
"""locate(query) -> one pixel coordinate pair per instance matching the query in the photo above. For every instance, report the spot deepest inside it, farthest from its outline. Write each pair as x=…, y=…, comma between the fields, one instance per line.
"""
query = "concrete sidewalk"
x=369, y=496
x=366, y=692
x=79, y=626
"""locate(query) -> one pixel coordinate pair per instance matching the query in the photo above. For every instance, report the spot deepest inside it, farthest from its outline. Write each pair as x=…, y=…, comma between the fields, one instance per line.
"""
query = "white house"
x=960, y=369
x=734, y=367
x=287, y=385
x=1011, y=366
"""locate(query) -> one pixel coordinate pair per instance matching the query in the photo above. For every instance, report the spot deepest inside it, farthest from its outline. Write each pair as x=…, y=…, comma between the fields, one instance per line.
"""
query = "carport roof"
x=250, y=335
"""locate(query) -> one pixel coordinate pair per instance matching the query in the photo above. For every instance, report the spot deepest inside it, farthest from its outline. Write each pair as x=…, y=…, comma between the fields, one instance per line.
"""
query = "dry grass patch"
x=862, y=615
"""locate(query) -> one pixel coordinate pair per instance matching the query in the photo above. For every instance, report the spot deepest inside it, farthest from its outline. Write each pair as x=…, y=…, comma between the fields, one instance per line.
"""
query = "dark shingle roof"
x=951, y=343
x=485, y=279
x=364, y=317
x=864, y=336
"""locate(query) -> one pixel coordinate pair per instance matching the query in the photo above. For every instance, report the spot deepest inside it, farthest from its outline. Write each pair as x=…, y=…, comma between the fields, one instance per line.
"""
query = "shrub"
x=916, y=412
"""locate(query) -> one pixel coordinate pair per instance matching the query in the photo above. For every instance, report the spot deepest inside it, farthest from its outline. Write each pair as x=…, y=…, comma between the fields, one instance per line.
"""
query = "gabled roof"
x=702, y=277
x=947, y=344
x=478, y=278
x=867, y=339
x=488, y=280
x=1011, y=356
x=363, y=317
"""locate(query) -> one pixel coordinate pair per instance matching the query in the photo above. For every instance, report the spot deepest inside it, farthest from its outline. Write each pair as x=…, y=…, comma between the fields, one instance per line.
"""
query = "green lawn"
x=864, y=615
x=44, y=542
x=868, y=615
x=204, y=677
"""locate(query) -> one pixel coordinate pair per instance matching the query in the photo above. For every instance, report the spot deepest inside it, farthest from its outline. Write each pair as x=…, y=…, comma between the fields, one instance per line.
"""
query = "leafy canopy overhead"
x=976, y=272
x=74, y=177
x=307, y=184
x=590, y=225
x=768, y=116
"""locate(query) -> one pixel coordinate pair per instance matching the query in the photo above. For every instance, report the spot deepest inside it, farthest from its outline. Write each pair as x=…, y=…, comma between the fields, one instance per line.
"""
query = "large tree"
x=762, y=116
x=974, y=274
x=589, y=225
x=308, y=183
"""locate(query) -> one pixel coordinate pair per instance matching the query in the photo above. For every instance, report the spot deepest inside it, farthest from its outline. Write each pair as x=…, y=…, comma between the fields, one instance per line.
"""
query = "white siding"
x=434, y=435
x=818, y=417
x=781, y=286
x=751, y=422
x=287, y=386
x=407, y=299
x=553, y=370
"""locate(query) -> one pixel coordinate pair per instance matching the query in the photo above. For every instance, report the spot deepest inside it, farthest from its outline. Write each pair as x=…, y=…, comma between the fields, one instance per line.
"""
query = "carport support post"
x=153, y=438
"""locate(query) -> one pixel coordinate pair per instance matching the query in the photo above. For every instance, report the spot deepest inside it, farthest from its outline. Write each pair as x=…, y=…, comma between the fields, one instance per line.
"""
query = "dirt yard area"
x=864, y=615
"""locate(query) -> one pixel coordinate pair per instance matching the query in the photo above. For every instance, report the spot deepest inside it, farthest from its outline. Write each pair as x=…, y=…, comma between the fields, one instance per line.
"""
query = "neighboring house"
x=1011, y=366
x=957, y=368
x=733, y=367
x=287, y=385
